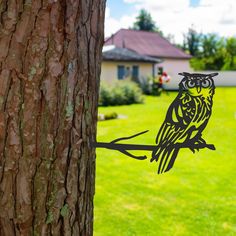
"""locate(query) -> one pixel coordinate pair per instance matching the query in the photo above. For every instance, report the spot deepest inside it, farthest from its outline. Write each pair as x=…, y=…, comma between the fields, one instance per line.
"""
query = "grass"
x=197, y=197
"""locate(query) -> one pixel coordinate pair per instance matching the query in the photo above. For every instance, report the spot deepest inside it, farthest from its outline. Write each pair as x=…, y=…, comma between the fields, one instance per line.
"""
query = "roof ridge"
x=145, y=31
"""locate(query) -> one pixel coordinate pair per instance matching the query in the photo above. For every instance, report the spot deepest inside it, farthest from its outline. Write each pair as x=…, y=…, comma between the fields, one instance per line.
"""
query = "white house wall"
x=172, y=67
x=109, y=69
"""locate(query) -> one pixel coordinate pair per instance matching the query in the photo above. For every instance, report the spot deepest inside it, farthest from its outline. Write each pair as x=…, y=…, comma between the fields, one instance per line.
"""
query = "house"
x=151, y=44
x=120, y=63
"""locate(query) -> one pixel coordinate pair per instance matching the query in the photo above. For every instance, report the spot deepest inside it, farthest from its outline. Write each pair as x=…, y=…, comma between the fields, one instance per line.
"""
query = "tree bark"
x=50, y=56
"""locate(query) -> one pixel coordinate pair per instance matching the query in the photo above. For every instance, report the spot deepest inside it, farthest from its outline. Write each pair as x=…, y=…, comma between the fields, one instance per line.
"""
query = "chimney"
x=112, y=39
x=123, y=43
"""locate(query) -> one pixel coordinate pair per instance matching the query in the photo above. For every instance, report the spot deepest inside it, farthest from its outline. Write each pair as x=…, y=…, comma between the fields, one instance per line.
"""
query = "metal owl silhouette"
x=184, y=123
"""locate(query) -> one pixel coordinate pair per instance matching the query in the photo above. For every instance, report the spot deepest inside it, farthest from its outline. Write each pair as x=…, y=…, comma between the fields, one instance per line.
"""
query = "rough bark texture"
x=50, y=55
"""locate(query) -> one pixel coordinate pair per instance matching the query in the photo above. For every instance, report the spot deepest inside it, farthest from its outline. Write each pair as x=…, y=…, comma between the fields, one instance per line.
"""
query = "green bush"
x=110, y=116
x=150, y=86
x=120, y=93
x=146, y=84
x=105, y=95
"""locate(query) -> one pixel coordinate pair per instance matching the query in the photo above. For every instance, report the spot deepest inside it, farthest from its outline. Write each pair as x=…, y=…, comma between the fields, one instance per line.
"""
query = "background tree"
x=145, y=22
x=192, y=42
x=211, y=53
x=230, y=54
x=210, y=45
x=50, y=56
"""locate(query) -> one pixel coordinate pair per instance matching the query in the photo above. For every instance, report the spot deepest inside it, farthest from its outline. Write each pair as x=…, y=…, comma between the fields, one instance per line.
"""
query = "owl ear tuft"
x=213, y=74
x=184, y=74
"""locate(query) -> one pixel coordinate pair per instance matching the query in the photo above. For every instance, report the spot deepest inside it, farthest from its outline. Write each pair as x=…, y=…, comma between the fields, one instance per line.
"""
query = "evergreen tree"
x=192, y=42
x=145, y=22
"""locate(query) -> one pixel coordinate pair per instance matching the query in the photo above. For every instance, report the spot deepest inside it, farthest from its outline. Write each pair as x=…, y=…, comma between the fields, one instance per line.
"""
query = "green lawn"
x=197, y=197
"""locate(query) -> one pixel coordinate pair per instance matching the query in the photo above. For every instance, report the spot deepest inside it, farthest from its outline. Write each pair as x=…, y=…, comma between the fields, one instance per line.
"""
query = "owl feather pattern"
x=185, y=120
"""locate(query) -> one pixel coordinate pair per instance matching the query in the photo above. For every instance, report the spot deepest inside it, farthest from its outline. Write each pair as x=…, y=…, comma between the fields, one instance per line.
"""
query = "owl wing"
x=177, y=122
x=175, y=129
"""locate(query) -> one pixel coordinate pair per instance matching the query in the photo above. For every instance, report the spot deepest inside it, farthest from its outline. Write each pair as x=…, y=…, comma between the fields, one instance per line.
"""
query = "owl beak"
x=199, y=88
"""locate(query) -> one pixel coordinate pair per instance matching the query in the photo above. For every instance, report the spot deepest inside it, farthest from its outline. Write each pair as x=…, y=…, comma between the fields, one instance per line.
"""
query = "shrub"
x=120, y=93
x=146, y=84
x=105, y=95
x=110, y=116
x=156, y=89
x=150, y=86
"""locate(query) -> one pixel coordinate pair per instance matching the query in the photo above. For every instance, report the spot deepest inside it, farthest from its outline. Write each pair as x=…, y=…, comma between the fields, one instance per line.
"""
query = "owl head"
x=197, y=84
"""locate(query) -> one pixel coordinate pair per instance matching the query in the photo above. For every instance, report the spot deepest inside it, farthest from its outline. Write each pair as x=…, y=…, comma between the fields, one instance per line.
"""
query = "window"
x=121, y=72
x=160, y=70
x=135, y=72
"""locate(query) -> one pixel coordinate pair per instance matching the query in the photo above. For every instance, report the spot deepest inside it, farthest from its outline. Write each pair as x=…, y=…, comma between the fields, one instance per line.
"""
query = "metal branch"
x=137, y=147
x=130, y=137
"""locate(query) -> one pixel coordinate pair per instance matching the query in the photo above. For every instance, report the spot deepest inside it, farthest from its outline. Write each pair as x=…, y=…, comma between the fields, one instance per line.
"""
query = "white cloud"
x=175, y=17
x=112, y=25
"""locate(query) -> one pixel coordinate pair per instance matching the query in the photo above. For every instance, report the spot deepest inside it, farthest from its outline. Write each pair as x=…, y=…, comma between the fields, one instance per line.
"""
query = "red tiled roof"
x=146, y=43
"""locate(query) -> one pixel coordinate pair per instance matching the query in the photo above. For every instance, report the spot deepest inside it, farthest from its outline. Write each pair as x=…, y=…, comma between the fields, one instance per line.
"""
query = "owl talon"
x=154, y=159
x=192, y=149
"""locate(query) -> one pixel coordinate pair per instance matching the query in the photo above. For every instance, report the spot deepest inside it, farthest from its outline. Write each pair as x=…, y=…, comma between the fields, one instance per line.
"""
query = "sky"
x=174, y=17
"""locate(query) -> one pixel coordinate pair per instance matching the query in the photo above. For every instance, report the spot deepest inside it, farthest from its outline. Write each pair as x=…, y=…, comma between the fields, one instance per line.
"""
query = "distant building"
x=121, y=63
x=169, y=58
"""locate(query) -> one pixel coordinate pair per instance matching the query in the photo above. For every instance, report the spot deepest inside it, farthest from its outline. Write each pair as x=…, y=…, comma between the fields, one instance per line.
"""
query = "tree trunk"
x=50, y=56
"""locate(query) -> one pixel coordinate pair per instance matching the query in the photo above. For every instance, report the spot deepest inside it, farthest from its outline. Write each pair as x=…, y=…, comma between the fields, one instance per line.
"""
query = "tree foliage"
x=209, y=51
x=145, y=22
x=192, y=42
x=230, y=54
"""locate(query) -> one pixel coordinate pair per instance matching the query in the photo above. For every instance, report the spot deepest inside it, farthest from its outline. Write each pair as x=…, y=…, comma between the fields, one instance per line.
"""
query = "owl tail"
x=167, y=156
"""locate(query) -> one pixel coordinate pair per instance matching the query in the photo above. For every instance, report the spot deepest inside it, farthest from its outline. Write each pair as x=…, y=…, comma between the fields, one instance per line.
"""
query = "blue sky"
x=175, y=16
x=119, y=7
x=194, y=3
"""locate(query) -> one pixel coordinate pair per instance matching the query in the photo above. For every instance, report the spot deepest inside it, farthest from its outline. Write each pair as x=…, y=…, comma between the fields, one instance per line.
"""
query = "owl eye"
x=205, y=83
x=190, y=84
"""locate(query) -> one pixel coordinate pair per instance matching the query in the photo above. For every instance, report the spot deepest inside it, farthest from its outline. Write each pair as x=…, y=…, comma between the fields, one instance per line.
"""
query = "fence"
x=225, y=78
